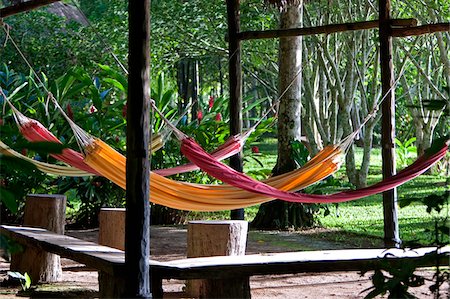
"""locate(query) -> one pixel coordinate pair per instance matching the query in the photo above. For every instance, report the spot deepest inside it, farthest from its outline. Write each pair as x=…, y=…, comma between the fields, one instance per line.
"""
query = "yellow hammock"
x=198, y=197
x=42, y=166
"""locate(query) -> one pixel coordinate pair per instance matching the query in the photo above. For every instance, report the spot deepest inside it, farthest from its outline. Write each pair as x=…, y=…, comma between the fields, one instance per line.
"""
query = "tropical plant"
x=406, y=151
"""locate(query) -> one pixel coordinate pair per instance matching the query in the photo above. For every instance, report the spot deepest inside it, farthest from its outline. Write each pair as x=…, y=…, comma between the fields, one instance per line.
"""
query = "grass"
x=362, y=217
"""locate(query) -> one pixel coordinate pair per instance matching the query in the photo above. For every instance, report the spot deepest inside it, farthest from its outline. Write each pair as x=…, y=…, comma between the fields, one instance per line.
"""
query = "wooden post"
x=218, y=238
x=111, y=231
x=43, y=211
x=137, y=222
x=235, y=80
x=391, y=230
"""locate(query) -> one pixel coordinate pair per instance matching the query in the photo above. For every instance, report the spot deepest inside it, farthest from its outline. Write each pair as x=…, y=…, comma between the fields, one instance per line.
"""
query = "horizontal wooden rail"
x=420, y=30
x=325, y=29
x=23, y=7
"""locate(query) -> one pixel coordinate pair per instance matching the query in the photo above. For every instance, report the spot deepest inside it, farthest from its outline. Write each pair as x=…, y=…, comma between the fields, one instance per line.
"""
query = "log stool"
x=217, y=238
x=42, y=211
x=112, y=227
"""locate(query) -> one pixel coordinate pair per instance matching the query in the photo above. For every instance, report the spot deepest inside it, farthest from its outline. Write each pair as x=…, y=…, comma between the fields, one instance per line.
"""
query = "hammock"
x=42, y=166
x=198, y=197
x=188, y=196
x=228, y=175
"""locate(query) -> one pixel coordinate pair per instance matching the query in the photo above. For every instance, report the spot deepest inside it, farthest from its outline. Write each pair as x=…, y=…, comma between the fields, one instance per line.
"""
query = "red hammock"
x=231, y=147
x=34, y=131
x=230, y=176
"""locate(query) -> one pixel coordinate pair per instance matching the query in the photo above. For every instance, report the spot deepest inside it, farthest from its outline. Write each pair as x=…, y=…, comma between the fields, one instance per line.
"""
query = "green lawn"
x=365, y=216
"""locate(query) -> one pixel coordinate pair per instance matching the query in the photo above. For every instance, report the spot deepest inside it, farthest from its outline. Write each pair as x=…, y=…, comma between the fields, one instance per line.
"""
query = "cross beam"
x=399, y=28
x=23, y=7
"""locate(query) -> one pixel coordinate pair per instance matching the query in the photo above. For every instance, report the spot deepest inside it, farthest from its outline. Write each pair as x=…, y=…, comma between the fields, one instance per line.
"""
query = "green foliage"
x=401, y=278
x=406, y=151
x=25, y=279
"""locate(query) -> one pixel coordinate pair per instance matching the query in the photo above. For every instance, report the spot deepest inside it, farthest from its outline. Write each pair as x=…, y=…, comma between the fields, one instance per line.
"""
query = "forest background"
x=70, y=46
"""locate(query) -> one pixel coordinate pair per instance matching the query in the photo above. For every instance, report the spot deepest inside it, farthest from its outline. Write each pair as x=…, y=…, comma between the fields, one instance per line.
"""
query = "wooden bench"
x=110, y=262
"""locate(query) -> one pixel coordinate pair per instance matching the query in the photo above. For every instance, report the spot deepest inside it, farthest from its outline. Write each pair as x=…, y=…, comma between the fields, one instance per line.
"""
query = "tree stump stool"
x=217, y=238
x=48, y=212
x=112, y=227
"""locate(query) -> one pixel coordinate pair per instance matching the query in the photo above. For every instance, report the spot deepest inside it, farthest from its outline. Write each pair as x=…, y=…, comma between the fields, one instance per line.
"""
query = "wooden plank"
x=391, y=227
x=137, y=219
x=23, y=7
x=96, y=256
x=325, y=29
x=420, y=30
x=298, y=262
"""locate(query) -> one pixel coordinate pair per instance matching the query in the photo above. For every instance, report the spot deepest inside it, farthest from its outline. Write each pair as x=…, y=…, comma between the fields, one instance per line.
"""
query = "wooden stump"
x=217, y=238
x=43, y=211
x=112, y=227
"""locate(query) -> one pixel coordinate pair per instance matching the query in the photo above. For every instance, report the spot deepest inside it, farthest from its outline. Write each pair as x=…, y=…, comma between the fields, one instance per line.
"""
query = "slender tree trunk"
x=276, y=214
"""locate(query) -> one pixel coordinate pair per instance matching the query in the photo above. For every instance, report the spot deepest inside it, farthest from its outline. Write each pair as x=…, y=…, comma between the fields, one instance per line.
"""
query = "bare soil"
x=169, y=242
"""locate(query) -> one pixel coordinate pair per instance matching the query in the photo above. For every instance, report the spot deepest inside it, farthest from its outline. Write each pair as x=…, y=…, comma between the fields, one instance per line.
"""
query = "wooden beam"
x=420, y=30
x=391, y=230
x=23, y=7
x=235, y=81
x=137, y=218
x=325, y=29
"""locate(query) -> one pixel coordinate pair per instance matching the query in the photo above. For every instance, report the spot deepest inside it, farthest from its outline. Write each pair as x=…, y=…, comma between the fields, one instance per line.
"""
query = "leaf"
x=114, y=83
x=410, y=141
x=16, y=275
x=27, y=283
x=9, y=200
x=15, y=91
x=104, y=93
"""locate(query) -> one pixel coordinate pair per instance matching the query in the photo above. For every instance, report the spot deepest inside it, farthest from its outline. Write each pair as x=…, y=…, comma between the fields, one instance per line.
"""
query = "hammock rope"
x=53, y=169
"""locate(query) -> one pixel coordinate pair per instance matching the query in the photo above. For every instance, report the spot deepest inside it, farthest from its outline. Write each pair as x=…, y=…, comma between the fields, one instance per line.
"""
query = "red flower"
x=199, y=115
x=211, y=102
x=124, y=110
x=117, y=139
x=24, y=151
x=69, y=111
x=218, y=117
x=92, y=109
x=255, y=149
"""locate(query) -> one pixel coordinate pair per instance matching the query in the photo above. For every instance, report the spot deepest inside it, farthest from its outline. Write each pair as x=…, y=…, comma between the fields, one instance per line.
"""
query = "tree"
x=282, y=214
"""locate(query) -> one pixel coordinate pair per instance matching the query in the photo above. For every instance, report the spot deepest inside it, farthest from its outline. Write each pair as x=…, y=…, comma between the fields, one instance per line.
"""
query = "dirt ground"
x=168, y=243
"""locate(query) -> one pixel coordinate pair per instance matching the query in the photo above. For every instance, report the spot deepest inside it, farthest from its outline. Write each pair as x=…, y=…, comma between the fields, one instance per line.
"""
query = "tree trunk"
x=48, y=212
x=276, y=214
x=217, y=238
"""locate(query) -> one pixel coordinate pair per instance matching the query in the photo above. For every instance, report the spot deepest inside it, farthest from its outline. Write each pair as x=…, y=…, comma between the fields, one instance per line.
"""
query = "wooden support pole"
x=217, y=238
x=325, y=29
x=42, y=211
x=235, y=81
x=23, y=7
x=420, y=30
x=391, y=229
x=137, y=223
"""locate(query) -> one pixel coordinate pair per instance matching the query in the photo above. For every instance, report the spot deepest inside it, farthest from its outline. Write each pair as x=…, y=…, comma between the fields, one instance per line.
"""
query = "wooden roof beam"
x=420, y=30
x=23, y=7
x=325, y=29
